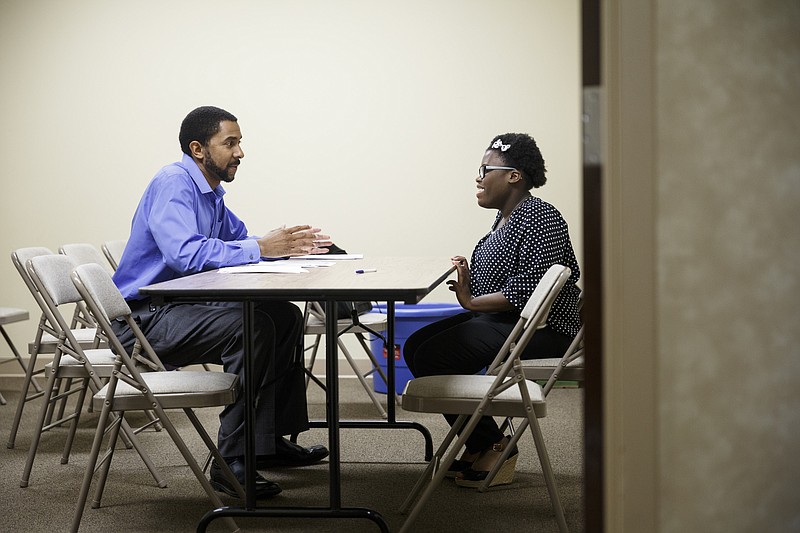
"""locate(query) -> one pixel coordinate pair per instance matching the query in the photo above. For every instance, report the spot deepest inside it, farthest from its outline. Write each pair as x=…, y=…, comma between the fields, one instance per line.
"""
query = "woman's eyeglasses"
x=483, y=169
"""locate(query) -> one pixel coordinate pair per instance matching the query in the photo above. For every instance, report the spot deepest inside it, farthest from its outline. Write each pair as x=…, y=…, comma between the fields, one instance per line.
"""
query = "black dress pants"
x=466, y=344
x=190, y=333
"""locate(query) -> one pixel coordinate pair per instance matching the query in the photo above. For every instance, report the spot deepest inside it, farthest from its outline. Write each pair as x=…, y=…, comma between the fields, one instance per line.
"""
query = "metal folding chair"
x=45, y=341
x=87, y=369
x=503, y=391
x=141, y=382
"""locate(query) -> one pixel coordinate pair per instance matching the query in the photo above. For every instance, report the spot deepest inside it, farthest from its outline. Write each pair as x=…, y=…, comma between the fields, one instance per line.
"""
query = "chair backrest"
x=83, y=253
x=533, y=316
x=106, y=303
x=51, y=276
x=113, y=251
x=20, y=258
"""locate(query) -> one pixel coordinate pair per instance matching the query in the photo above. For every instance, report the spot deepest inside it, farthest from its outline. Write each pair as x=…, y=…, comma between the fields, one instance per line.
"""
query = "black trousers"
x=466, y=344
x=190, y=333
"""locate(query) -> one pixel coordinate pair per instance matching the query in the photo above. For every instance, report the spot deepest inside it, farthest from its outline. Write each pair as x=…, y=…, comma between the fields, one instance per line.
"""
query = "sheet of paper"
x=305, y=263
x=331, y=257
x=283, y=267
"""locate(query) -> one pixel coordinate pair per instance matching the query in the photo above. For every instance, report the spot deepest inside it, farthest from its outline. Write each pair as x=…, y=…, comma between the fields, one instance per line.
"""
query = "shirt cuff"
x=251, y=250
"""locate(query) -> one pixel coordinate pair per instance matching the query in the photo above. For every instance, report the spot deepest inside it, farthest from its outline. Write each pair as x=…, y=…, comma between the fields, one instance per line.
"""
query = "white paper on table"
x=331, y=257
x=265, y=268
x=305, y=263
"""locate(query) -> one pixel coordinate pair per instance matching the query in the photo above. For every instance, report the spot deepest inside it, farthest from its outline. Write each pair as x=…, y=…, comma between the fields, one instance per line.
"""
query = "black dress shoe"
x=264, y=487
x=288, y=453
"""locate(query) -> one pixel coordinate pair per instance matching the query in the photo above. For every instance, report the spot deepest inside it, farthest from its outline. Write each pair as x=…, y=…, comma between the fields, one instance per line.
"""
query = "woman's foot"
x=460, y=465
x=474, y=476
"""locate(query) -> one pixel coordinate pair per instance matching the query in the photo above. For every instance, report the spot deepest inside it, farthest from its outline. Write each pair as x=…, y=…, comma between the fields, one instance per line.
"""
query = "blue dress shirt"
x=181, y=227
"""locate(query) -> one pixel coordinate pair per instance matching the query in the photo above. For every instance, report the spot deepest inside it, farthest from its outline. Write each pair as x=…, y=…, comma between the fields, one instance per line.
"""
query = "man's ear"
x=196, y=149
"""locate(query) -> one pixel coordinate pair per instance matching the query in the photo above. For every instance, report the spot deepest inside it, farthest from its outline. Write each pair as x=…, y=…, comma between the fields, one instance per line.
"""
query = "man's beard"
x=219, y=172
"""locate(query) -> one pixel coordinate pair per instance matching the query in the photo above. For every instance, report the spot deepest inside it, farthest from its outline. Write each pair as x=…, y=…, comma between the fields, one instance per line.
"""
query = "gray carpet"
x=379, y=467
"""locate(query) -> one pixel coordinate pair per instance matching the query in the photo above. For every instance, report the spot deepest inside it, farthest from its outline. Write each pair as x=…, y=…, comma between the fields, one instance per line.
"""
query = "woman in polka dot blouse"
x=528, y=237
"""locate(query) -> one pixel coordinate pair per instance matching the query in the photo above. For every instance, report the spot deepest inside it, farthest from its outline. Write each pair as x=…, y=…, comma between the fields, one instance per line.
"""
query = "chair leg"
x=73, y=427
x=213, y=453
x=190, y=460
x=547, y=470
x=433, y=465
x=37, y=433
x=343, y=349
x=119, y=422
x=24, y=397
x=18, y=357
x=440, y=473
x=105, y=462
x=311, y=360
x=90, y=467
x=375, y=365
x=62, y=405
x=58, y=389
x=129, y=434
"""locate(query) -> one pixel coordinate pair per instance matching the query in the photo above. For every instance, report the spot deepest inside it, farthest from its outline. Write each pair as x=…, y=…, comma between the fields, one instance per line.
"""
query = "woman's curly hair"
x=519, y=150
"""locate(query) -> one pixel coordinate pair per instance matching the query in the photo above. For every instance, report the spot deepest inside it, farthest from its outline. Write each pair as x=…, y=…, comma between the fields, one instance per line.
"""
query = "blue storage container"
x=407, y=320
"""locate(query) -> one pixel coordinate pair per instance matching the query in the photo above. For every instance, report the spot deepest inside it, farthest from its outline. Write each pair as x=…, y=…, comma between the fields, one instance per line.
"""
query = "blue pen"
x=365, y=270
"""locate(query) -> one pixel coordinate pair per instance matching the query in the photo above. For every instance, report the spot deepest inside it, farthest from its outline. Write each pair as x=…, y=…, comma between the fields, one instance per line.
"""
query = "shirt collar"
x=197, y=176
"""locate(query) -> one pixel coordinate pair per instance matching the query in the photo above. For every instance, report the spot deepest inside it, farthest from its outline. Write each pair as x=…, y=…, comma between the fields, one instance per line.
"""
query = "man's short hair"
x=201, y=124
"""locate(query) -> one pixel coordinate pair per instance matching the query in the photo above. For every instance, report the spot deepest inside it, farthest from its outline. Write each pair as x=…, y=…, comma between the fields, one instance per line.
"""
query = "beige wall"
x=711, y=418
x=729, y=250
x=367, y=118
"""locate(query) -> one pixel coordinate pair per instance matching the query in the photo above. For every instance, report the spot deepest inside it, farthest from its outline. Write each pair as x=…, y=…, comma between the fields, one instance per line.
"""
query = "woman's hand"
x=294, y=241
x=460, y=286
x=495, y=302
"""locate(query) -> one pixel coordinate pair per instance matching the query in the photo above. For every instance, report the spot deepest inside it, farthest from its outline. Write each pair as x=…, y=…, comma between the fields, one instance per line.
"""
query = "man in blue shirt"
x=181, y=227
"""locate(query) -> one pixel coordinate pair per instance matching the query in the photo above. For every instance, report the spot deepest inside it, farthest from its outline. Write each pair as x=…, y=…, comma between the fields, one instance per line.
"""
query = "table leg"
x=335, y=509
x=248, y=316
x=332, y=402
x=390, y=367
x=391, y=378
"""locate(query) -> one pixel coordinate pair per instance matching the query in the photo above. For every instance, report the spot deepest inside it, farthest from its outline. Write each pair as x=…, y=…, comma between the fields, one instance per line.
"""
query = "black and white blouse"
x=513, y=258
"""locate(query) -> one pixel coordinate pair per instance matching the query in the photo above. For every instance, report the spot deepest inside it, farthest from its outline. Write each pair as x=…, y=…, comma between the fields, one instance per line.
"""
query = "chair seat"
x=102, y=360
x=9, y=315
x=84, y=336
x=375, y=321
x=177, y=389
x=460, y=395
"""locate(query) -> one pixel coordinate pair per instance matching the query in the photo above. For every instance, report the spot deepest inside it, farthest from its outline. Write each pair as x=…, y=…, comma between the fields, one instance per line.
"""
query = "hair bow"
x=499, y=144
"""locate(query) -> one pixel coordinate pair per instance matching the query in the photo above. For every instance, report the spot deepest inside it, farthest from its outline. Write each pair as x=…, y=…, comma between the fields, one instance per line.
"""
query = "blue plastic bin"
x=407, y=320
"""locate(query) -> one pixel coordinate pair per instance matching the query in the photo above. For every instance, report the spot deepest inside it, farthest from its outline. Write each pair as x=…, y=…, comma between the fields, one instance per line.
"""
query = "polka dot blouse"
x=513, y=258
